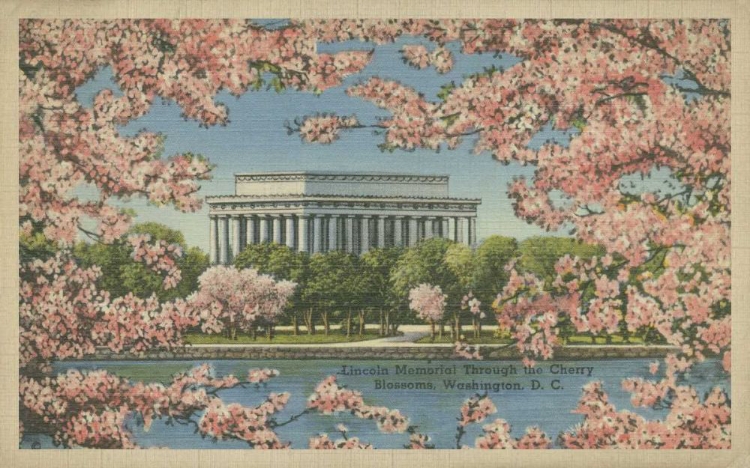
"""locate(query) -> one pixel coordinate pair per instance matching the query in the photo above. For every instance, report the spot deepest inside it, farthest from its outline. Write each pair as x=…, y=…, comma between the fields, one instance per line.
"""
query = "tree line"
x=336, y=288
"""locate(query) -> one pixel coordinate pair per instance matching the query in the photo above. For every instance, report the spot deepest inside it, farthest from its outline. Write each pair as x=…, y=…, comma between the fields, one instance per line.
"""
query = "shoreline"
x=395, y=351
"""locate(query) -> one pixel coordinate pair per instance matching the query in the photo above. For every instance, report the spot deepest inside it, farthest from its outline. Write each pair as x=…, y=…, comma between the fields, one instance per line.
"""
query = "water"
x=434, y=410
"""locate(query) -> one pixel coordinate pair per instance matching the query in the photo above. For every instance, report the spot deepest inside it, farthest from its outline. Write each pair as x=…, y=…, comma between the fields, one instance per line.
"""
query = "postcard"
x=374, y=233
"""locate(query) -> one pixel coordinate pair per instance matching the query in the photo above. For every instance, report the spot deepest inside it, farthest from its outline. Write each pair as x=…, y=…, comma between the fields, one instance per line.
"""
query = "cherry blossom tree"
x=230, y=300
x=692, y=422
x=605, y=80
x=637, y=98
x=65, y=146
x=92, y=409
x=429, y=304
x=64, y=315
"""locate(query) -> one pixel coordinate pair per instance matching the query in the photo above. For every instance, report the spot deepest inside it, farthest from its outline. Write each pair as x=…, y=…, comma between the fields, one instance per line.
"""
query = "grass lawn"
x=486, y=337
x=615, y=339
x=490, y=337
x=283, y=337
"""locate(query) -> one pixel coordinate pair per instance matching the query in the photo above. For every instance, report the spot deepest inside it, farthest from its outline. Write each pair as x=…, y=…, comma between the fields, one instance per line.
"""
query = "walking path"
x=409, y=336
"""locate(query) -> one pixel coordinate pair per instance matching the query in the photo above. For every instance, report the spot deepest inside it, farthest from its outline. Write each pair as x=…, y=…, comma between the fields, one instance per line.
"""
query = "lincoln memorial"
x=325, y=211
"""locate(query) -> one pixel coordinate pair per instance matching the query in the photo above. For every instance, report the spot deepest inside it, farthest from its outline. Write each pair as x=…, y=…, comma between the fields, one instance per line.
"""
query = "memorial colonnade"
x=313, y=233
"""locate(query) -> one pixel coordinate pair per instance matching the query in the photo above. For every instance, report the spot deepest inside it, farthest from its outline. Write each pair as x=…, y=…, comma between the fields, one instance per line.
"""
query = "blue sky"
x=256, y=140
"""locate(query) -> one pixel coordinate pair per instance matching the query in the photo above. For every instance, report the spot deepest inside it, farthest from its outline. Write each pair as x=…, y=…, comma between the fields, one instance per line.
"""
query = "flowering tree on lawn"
x=429, y=304
x=230, y=299
x=474, y=306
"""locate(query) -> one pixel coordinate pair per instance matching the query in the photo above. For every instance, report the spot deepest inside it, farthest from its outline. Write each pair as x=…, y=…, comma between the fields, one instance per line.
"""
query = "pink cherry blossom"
x=329, y=398
x=89, y=409
x=428, y=302
x=258, y=376
x=419, y=57
x=497, y=436
x=475, y=410
x=465, y=351
x=322, y=442
x=691, y=423
x=232, y=299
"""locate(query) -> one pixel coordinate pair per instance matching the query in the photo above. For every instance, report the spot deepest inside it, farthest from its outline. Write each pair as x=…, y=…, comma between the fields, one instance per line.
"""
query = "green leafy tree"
x=258, y=257
x=460, y=260
x=122, y=275
x=491, y=258
x=332, y=287
x=425, y=263
x=35, y=246
x=539, y=254
x=377, y=266
x=490, y=277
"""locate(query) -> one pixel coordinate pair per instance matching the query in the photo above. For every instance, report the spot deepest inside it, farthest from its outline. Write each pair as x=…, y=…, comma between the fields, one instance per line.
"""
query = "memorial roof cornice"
x=332, y=175
x=218, y=199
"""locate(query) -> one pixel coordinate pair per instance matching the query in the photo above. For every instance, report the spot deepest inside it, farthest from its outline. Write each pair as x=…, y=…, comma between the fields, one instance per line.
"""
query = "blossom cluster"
x=329, y=398
x=323, y=442
x=261, y=376
x=472, y=304
x=476, y=409
x=418, y=441
x=159, y=256
x=64, y=315
x=419, y=57
x=428, y=302
x=465, y=351
x=252, y=425
x=239, y=298
x=691, y=423
x=324, y=129
x=496, y=435
x=92, y=409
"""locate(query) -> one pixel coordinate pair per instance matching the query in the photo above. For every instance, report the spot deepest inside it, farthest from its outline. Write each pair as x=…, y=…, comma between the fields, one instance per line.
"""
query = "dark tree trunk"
x=295, y=323
x=349, y=324
x=382, y=323
x=308, y=317
x=326, y=325
x=361, y=322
